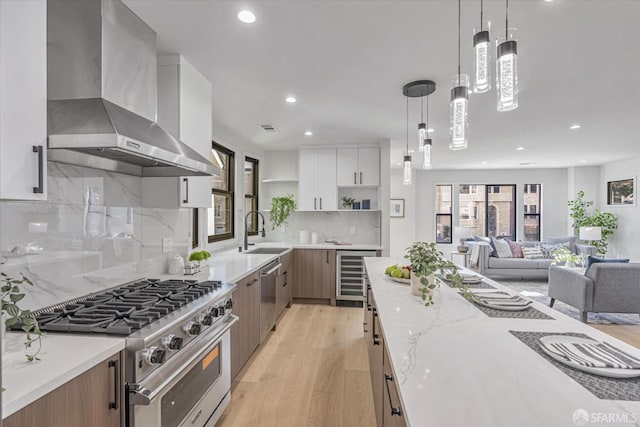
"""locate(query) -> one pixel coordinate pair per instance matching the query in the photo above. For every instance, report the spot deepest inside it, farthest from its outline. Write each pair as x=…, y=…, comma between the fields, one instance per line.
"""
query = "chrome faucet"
x=246, y=230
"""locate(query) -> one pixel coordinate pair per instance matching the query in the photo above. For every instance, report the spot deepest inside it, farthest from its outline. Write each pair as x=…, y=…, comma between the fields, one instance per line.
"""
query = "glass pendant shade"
x=426, y=160
x=422, y=135
x=458, y=112
x=406, y=180
x=507, y=71
x=482, y=59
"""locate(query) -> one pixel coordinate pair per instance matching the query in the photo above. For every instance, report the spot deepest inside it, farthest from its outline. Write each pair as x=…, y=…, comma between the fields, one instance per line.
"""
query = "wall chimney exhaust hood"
x=102, y=93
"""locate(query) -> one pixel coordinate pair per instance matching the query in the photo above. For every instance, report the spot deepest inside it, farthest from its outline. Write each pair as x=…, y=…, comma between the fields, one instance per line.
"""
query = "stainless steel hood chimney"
x=102, y=93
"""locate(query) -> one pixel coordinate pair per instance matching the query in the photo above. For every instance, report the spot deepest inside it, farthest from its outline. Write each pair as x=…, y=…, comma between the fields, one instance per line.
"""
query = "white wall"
x=583, y=178
x=420, y=225
x=624, y=242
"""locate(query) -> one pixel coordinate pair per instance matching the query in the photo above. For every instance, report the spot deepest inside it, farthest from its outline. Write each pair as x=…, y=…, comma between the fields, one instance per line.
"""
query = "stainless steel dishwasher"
x=268, y=275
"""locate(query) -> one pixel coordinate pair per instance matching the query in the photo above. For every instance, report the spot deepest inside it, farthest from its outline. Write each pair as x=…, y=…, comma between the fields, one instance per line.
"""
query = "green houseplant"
x=14, y=315
x=580, y=214
x=426, y=260
x=347, y=202
x=199, y=256
x=565, y=255
x=281, y=208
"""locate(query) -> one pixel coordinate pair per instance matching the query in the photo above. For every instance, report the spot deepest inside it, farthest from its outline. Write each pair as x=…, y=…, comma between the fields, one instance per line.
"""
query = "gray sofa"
x=516, y=267
x=605, y=288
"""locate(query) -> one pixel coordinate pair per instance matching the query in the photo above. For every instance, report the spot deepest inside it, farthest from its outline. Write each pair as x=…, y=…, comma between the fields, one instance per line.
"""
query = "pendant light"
x=459, y=105
x=507, y=67
x=406, y=180
x=426, y=159
x=422, y=127
x=482, y=55
x=418, y=89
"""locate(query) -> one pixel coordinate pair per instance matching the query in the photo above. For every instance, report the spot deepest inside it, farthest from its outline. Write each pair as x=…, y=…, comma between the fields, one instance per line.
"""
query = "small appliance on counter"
x=176, y=265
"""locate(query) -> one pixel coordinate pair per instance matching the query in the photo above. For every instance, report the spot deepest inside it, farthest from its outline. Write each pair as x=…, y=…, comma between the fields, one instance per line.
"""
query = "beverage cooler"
x=350, y=274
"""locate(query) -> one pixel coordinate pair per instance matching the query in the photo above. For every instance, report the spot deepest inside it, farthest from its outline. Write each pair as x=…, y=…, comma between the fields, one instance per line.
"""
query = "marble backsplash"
x=94, y=234
x=330, y=226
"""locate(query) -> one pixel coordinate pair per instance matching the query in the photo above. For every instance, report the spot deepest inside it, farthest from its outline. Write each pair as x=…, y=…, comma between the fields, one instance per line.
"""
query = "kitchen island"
x=455, y=366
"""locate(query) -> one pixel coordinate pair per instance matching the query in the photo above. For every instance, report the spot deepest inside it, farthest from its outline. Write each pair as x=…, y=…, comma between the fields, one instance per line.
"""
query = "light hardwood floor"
x=313, y=371
x=627, y=333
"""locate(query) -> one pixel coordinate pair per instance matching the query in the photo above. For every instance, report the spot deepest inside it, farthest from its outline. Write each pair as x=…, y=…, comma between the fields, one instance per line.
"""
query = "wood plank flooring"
x=313, y=371
x=627, y=333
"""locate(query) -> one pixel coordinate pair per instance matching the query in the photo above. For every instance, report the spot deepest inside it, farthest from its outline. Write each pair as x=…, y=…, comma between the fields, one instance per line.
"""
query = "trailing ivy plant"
x=14, y=315
x=426, y=260
x=281, y=208
x=579, y=212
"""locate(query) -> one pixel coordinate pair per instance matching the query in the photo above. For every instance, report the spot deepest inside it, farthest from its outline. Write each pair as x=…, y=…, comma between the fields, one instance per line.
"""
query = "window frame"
x=229, y=194
x=528, y=190
x=253, y=197
x=439, y=215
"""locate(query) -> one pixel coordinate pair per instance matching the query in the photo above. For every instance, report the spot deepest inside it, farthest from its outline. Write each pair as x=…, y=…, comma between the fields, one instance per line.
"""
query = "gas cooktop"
x=125, y=309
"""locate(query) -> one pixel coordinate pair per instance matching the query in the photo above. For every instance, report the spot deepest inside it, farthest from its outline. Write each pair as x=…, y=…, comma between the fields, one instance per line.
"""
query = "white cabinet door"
x=347, y=172
x=195, y=192
x=23, y=100
x=369, y=166
x=308, y=180
x=327, y=189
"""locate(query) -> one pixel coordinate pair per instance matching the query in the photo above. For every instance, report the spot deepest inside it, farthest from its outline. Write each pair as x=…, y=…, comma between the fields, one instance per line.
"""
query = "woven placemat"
x=529, y=313
x=479, y=285
x=601, y=387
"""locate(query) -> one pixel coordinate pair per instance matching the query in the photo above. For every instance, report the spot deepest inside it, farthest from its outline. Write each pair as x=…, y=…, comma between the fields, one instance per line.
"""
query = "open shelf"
x=279, y=180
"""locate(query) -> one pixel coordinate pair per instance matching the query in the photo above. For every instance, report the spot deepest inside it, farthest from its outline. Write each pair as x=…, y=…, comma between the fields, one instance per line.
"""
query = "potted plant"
x=426, y=260
x=281, y=208
x=347, y=202
x=565, y=255
x=579, y=212
x=197, y=257
x=13, y=315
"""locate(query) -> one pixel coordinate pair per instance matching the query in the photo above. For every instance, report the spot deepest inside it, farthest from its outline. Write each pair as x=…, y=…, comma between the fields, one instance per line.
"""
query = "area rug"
x=537, y=291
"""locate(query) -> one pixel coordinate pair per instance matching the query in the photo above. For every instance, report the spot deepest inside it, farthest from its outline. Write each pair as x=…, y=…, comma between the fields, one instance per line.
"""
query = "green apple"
x=406, y=274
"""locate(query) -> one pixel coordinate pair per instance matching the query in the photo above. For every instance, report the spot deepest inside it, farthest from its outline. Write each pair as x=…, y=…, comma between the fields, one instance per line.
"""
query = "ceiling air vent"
x=269, y=128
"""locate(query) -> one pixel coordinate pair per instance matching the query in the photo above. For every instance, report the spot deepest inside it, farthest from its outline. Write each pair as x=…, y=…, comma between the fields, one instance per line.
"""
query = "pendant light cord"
x=427, y=130
x=459, y=42
x=407, y=126
x=481, y=15
x=506, y=21
x=422, y=109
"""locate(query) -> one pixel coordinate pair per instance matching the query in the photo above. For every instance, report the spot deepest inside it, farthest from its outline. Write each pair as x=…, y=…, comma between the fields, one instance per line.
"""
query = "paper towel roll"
x=304, y=236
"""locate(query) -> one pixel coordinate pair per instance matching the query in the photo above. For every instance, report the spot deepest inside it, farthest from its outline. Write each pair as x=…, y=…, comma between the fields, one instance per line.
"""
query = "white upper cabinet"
x=317, y=188
x=358, y=166
x=23, y=100
x=185, y=110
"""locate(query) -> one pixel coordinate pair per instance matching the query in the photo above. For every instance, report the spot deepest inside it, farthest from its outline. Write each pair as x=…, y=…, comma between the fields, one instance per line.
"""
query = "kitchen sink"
x=260, y=251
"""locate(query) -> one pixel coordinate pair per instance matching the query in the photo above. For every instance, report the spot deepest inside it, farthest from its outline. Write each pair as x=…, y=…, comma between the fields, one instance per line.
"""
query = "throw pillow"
x=488, y=241
x=516, y=249
x=502, y=248
x=594, y=260
x=547, y=250
x=532, y=253
x=571, y=240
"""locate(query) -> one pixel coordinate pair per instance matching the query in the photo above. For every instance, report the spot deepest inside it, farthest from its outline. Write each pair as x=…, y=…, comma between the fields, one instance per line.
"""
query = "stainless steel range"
x=177, y=357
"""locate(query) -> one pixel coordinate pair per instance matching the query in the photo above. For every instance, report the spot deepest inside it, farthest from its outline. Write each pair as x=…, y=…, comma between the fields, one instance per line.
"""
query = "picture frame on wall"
x=397, y=208
x=621, y=192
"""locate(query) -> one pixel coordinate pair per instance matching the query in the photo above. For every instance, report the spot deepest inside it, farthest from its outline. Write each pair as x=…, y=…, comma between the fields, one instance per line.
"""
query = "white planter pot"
x=570, y=264
x=416, y=285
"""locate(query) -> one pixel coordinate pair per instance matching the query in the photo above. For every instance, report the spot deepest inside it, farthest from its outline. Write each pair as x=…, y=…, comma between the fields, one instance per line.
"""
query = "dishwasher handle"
x=268, y=273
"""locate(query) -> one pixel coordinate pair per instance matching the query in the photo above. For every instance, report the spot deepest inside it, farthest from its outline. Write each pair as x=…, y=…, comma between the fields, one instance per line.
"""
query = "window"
x=444, y=198
x=488, y=210
x=251, y=193
x=220, y=217
x=532, y=214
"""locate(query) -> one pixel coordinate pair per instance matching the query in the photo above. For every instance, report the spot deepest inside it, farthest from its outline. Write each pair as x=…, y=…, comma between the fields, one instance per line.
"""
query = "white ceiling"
x=346, y=63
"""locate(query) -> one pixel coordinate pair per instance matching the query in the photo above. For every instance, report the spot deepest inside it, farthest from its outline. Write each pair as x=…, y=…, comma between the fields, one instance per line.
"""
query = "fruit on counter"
x=399, y=272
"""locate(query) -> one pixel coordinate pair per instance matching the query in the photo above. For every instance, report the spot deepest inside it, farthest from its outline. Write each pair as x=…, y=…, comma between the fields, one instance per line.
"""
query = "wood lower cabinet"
x=245, y=333
x=315, y=274
x=375, y=347
x=93, y=398
x=284, y=283
x=392, y=413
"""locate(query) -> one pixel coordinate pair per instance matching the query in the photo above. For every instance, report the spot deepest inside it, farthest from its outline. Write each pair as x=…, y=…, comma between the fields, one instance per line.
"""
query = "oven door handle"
x=145, y=392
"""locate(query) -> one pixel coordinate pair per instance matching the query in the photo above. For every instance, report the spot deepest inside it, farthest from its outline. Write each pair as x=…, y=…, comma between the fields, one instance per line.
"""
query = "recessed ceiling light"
x=247, y=16
x=411, y=151
x=520, y=148
x=484, y=163
x=583, y=161
x=398, y=164
x=548, y=1
x=290, y=99
x=431, y=130
x=308, y=133
x=576, y=126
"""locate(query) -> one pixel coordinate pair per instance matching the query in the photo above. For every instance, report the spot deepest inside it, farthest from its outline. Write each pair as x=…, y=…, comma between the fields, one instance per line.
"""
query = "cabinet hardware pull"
x=186, y=190
x=375, y=336
x=327, y=257
x=394, y=411
x=252, y=282
x=40, y=188
x=314, y=204
x=116, y=383
x=320, y=203
x=354, y=178
x=364, y=326
x=360, y=178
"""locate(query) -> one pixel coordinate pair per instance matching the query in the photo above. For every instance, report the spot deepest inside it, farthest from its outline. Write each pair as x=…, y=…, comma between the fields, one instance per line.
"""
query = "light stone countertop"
x=455, y=366
x=64, y=356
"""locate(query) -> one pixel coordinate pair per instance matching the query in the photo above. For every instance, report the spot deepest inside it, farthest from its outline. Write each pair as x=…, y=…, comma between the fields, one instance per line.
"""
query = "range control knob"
x=172, y=342
x=154, y=355
x=221, y=310
x=206, y=319
x=229, y=304
x=192, y=328
x=213, y=311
